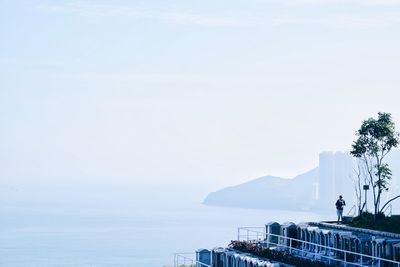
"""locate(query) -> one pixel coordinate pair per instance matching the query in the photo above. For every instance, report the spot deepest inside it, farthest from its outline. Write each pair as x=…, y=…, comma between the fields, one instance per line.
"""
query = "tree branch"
x=390, y=200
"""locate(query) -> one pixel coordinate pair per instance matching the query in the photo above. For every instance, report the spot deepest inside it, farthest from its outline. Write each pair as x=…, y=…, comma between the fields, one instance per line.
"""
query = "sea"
x=121, y=233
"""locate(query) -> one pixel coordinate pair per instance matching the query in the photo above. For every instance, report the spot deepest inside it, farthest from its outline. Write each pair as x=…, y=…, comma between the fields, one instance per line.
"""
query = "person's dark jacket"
x=340, y=203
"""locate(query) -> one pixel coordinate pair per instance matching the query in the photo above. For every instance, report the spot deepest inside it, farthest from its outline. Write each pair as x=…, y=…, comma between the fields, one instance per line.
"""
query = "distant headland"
x=316, y=189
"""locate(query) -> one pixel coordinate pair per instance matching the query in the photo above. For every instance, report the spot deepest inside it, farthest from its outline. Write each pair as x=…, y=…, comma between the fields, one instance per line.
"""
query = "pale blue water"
x=121, y=235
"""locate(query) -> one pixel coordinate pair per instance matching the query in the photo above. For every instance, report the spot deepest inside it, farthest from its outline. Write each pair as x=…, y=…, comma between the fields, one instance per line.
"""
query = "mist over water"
x=116, y=225
x=118, y=118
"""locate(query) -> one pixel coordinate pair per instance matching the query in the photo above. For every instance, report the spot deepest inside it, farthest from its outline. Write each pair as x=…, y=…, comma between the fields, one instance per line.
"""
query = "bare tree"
x=359, y=180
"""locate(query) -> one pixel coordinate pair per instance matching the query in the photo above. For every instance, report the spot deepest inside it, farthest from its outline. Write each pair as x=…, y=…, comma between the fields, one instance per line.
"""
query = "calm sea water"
x=121, y=235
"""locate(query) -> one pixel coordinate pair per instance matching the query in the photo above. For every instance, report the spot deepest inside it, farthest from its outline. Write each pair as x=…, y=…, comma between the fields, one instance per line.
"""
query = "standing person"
x=339, y=209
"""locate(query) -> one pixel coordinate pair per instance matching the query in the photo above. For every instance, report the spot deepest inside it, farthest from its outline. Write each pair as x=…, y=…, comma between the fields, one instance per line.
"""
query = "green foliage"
x=385, y=173
x=381, y=222
x=376, y=137
x=274, y=255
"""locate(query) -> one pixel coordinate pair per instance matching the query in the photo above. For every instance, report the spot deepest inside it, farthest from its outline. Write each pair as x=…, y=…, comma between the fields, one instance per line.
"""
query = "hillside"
x=269, y=192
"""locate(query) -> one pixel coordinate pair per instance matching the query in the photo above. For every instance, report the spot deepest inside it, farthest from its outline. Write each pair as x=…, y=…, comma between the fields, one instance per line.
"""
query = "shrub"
x=381, y=222
x=274, y=255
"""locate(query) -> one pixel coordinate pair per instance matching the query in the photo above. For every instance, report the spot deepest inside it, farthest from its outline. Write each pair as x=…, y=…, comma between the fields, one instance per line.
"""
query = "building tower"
x=335, y=178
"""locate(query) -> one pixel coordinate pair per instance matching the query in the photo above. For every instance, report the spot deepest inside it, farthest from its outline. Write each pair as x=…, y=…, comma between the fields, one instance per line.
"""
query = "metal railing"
x=184, y=260
x=354, y=210
x=313, y=250
x=257, y=232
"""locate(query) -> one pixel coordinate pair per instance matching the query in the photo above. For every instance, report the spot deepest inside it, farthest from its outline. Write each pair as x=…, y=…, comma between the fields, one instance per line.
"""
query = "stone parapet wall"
x=356, y=230
x=232, y=258
x=322, y=242
x=326, y=240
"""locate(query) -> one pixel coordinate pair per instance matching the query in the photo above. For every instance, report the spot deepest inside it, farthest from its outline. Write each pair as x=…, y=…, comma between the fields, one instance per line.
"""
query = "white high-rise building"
x=336, y=174
x=335, y=178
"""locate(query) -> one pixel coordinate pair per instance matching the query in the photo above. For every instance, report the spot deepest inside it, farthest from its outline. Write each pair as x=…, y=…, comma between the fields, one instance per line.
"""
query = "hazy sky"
x=189, y=92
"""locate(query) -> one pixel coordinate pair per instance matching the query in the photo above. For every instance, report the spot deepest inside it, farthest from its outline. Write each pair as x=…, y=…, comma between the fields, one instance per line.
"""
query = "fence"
x=184, y=260
x=312, y=250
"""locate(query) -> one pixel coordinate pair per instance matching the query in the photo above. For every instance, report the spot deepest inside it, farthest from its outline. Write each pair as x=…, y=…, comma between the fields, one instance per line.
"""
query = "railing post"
x=290, y=246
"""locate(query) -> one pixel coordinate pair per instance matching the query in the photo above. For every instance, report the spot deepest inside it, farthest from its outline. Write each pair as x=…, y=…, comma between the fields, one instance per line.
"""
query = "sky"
x=189, y=93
